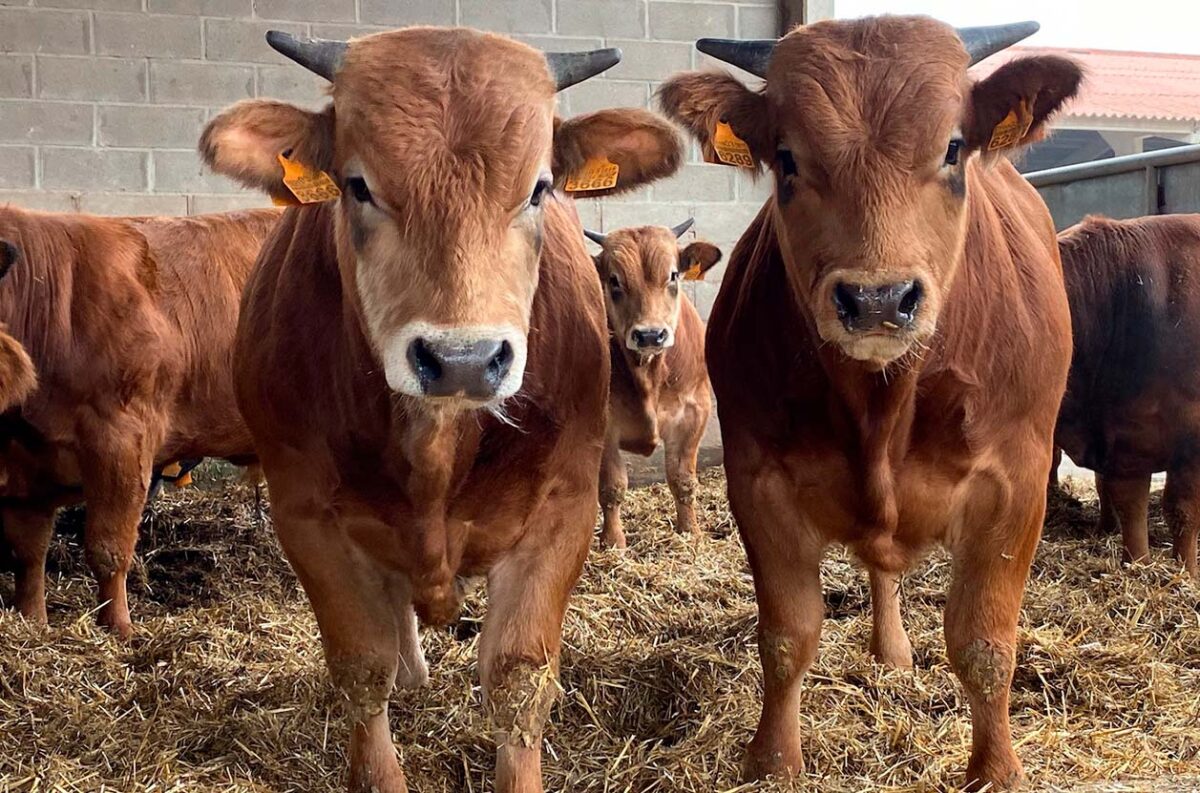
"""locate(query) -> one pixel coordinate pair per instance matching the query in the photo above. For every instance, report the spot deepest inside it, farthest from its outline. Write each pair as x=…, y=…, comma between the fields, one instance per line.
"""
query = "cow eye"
x=539, y=191
x=953, y=151
x=358, y=188
x=674, y=276
x=614, y=286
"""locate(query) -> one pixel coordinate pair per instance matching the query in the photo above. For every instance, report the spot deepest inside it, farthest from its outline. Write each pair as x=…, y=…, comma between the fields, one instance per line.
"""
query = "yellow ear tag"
x=731, y=149
x=597, y=174
x=183, y=481
x=1012, y=128
x=694, y=273
x=309, y=186
x=172, y=470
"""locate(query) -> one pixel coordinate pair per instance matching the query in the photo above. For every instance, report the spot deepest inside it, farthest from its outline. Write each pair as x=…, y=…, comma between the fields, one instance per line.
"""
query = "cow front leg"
x=991, y=566
x=614, y=481
x=786, y=563
x=522, y=633
x=1181, y=506
x=1124, y=505
x=889, y=640
x=682, y=442
x=28, y=531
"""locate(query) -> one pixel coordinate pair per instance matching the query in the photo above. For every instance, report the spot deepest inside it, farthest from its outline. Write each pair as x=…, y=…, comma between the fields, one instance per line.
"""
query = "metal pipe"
x=1115, y=165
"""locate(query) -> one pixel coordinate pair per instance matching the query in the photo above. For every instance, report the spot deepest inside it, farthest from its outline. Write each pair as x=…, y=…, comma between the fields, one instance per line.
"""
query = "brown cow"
x=1132, y=405
x=659, y=383
x=890, y=342
x=423, y=362
x=130, y=324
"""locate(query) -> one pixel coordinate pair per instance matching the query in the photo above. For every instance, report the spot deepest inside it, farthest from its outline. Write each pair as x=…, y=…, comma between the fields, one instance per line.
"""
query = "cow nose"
x=649, y=338
x=474, y=369
x=888, y=307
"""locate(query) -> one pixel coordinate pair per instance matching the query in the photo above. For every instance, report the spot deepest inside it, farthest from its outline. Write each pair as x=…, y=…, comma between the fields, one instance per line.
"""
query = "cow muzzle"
x=649, y=340
x=480, y=365
x=886, y=308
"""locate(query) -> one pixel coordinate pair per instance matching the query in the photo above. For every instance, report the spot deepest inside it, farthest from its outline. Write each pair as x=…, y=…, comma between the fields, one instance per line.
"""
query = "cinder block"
x=547, y=43
x=754, y=191
x=344, y=32
x=624, y=19
x=16, y=166
x=93, y=169
x=16, y=76
x=45, y=122
x=398, y=13
x=757, y=22
x=135, y=126
x=205, y=204
x=42, y=200
x=511, y=16
x=306, y=10
x=142, y=36
x=245, y=42
x=620, y=213
x=697, y=183
x=183, y=172
x=93, y=5
x=91, y=79
x=599, y=94
x=132, y=204
x=30, y=30
x=725, y=223
x=650, y=60
x=591, y=213
x=208, y=8
x=705, y=293
x=690, y=21
x=293, y=84
x=191, y=83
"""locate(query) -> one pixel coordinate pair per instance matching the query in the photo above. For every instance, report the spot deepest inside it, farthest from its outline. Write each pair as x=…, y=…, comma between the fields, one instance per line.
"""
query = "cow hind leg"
x=614, y=481
x=1181, y=502
x=1124, y=505
x=28, y=532
x=412, y=670
x=982, y=608
x=682, y=444
x=889, y=641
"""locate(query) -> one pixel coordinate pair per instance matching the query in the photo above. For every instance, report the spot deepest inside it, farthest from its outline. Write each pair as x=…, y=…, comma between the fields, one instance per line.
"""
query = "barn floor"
x=223, y=689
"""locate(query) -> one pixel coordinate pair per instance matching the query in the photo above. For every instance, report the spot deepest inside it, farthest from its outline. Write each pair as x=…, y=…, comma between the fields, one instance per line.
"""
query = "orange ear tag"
x=694, y=273
x=1012, y=128
x=731, y=149
x=309, y=186
x=597, y=174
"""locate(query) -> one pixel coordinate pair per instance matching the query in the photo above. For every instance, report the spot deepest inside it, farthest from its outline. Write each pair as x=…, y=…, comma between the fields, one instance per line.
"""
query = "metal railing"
x=1155, y=183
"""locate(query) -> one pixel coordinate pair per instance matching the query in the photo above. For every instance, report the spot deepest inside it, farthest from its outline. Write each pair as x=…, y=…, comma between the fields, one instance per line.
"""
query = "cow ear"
x=244, y=142
x=643, y=146
x=697, y=259
x=1010, y=107
x=700, y=101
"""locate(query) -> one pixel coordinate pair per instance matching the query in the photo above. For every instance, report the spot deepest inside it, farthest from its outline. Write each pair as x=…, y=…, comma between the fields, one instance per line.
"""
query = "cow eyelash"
x=539, y=191
x=358, y=188
x=674, y=276
x=614, y=286
x=954, y=151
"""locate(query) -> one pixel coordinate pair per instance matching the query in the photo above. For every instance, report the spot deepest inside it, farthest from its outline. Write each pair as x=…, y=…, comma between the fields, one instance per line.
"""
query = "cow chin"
x=460, y=379
x=877, y=350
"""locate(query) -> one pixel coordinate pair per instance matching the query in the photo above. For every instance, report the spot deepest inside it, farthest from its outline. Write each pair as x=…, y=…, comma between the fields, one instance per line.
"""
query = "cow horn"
x=594, y=236
x=990, y=39
x=679, y=230
x=569, y=68
x=322, y=56
x=753, y=55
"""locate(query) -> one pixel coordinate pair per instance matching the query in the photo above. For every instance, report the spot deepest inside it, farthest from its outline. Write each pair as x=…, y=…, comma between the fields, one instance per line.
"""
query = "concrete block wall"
x=102, y=101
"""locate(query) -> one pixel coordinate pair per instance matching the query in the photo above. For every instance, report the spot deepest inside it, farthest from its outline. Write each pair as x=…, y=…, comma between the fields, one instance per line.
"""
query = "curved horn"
x=323, y=56
x=990, y=39
x=679, y=230
x=594, y=236
x=753, y=55
x=569, y=68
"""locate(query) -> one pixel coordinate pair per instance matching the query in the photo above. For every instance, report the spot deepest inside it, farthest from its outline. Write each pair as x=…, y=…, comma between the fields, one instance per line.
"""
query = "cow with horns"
x=423, y=361
x=659, y=388
x=890, y=342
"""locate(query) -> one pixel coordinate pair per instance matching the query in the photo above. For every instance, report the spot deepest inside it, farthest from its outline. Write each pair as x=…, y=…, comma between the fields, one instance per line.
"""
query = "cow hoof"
x=412, y=674
x=899, y=656
x=995, y=773
x=613, y=541
x=759, y=765
x=119, y=625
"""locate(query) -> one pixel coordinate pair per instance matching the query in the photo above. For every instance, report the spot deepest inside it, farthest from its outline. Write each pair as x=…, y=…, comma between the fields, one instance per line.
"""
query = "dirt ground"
x=224, y=689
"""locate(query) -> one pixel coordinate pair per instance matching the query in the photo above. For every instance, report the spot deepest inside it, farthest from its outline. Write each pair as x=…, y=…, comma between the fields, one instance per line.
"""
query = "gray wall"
x=102, y=101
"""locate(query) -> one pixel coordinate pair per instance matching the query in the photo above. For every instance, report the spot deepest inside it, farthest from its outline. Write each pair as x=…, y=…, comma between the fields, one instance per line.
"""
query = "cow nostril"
x=500, y=363
x=910, y=301
x=424, y=362
x=660, y=338
x=846, y=302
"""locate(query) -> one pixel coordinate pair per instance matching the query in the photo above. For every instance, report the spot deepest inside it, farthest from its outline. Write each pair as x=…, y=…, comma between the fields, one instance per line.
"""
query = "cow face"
x=8, y=256
x=447, y=150
x=641, y=270
x=871, y=130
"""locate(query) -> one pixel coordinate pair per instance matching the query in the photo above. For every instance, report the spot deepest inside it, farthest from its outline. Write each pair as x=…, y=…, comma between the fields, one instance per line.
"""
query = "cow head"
x=447, y=150
x=641, y=270
x=872, y=132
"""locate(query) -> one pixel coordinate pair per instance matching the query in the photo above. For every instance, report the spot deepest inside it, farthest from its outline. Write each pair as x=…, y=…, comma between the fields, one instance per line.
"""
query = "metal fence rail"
x=1156, y=183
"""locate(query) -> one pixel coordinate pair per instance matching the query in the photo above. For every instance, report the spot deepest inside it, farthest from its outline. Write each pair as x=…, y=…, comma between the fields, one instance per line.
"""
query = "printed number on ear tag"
x=309, y=186
x=731, y=149
x=1012, y=128
x=694, y=273
x=597, y=174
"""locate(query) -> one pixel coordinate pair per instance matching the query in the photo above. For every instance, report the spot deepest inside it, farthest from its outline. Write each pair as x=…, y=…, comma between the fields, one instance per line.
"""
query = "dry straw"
x=224, y=689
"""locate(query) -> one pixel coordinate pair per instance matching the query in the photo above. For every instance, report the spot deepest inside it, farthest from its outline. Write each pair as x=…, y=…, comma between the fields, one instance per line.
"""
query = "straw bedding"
x=224, y=689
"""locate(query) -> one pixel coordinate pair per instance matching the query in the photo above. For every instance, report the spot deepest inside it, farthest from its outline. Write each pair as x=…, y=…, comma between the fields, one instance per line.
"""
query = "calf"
x=129, y=324
x=1132, y=405
x=659, y=387
x=890, y=342
x=423, y=360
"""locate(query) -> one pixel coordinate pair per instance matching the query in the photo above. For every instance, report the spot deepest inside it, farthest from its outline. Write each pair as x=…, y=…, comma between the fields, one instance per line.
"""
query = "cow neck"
x=646, y=374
